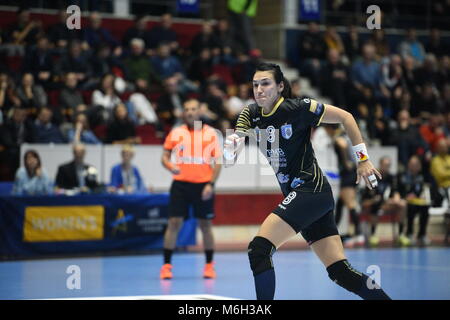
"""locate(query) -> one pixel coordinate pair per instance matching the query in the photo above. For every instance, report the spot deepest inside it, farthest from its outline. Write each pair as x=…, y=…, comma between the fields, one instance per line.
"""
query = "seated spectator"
x=382, y=48
x=334, y=78
x=95, y=34
x=140, y=107
x=76, y=174
x=427, y=103
x=125, y=177
x=393, y=81
x=8, y=95
x=76, y=61
x=22, y=33
x=104, y=99
x=213, y=111
x=70, y=99
x=432, y=131
x=235, y=104
x=385, y=200
x=416, y=192
x=352, y=43
x=31, y=95
x=60, y=35
x=164, y=64
x=170, y=103
x=138, y=64
x=408, y=139
x=205, y=39
x=32, y=179
x=435, y=44
x=381, y=126
x=39, y=62
x=44, y=130
x=80, y=133
x=201, y=67
x=443, y=75
x=428, y=71
x=137, y=31
x=224, y=36
x=411, y=47
x=163, y=32
x=103, y=62
x=333, y=40
x=13, y=133
x=120, y=129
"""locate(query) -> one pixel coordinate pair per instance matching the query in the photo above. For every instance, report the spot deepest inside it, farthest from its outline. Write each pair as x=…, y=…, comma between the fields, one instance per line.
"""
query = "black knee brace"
x=344, y=275
x=260, y=251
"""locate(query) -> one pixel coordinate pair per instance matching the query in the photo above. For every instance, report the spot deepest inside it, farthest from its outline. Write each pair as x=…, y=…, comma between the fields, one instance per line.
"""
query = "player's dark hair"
x=278, y=76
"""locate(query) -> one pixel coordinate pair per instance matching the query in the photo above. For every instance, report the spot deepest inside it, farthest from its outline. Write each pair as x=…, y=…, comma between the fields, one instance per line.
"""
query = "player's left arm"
x=365, y=169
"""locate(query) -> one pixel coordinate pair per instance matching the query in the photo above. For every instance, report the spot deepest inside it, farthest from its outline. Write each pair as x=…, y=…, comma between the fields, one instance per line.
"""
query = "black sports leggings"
x=423, y=219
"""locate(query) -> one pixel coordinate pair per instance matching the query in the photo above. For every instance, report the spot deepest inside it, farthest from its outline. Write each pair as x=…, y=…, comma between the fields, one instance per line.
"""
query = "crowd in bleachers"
x=59, y=85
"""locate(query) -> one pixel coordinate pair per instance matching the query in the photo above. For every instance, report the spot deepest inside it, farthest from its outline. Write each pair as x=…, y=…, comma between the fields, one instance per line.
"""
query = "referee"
x=195, y=169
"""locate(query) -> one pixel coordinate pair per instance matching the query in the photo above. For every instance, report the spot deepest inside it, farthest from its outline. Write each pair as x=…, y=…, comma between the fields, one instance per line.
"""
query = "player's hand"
x=369, y=173
x=230, y=149
x=207, y=192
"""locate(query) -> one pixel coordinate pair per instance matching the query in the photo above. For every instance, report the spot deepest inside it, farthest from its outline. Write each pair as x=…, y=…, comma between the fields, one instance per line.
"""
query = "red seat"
x=53, y=97
x=14, y=63
x=100, y=131
x=87, y=96
x=224, y=72
x=147, y=133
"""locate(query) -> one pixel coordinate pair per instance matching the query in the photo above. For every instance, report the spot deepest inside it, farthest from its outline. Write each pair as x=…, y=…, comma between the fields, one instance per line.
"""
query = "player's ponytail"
x=278, y=76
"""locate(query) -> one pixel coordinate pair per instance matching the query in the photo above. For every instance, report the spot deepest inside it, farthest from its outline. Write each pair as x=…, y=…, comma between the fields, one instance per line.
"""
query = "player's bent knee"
x=342, y=273
x=260, y=251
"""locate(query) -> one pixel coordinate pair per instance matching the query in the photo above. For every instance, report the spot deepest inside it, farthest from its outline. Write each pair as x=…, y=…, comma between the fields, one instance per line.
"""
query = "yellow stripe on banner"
x=313, y=106
x=63, y=223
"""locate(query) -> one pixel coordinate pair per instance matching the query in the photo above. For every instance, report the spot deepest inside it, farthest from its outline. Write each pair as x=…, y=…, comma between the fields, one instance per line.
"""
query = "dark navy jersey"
x=284, y=137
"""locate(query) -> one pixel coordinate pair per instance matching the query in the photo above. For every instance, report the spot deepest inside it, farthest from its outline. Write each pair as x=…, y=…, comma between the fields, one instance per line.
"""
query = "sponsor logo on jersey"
x=286, y=131
x=283, y=178
x=297, y=182
x=256, y=119
x=291, y=196
x=275, y=152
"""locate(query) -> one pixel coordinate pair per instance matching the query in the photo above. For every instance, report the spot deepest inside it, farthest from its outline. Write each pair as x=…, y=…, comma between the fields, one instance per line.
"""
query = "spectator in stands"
x=213, y=101
x=104, y=99
x=137, y=31
x=60, y=35
x=416, y=192
x=435, y=44
x=22, y=33
x=366, y=76
x=241, y=13
x=443, y=72
x=120, y=129
x=76, y=174
x=44, y=130
x=32, y=179
x=81, y=133
x=427, y=103
x=411, y=47
x=163, y=32
x=31, y=95
x=165, y=64
x=13, y=133
x=440, y=165
x=205, y=39
x=381, y=132
x=352, y=43
x=235, y=104
x=432, y=131
x=408, y=139
x=138, y=64
x=224, y=36
x=385, y=200
x=444, y=102
x=70, y=99
x=381, y=44
x=103, y=62
x=428, y=71
x=334, y=79
x=94, y=35
x=333, y=40
x=39, y=62
x=410, y=76
x=141, y=110
x=312, y=52
x=170, y=103
x=201, y=67
x=8, y=95
x=125, y=177
x=393, y=81
x=74, y=61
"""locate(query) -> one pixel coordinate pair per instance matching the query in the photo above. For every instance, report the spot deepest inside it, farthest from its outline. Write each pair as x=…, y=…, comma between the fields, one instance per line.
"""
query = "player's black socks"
x=209, y=255
x=355, y=219
x=168, y=256
x=260, y=251
x=265, y=285
x=373, y=228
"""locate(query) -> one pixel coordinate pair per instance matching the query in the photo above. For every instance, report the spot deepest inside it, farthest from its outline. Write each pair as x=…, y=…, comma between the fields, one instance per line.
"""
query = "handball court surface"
x=409, y=273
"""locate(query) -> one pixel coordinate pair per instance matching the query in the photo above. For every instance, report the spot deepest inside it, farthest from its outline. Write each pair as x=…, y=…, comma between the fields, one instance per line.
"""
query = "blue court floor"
x=405, y=274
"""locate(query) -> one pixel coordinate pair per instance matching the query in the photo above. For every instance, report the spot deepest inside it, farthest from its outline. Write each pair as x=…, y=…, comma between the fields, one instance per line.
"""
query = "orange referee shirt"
x=194, y=152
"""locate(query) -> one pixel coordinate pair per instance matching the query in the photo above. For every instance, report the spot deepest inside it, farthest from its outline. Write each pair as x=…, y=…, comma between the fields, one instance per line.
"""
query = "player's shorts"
x=348, y=179
x=309, y=213
x=183, y=195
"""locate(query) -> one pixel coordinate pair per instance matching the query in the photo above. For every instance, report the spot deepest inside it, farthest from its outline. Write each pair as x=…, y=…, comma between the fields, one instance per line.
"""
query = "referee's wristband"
x=360, y=152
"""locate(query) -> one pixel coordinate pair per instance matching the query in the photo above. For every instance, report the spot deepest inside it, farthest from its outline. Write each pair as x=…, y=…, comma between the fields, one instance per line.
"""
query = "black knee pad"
x=260, y=251
x=344, y=275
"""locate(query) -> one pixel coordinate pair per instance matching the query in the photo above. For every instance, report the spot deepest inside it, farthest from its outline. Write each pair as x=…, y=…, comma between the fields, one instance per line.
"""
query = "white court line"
x=157, y=297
